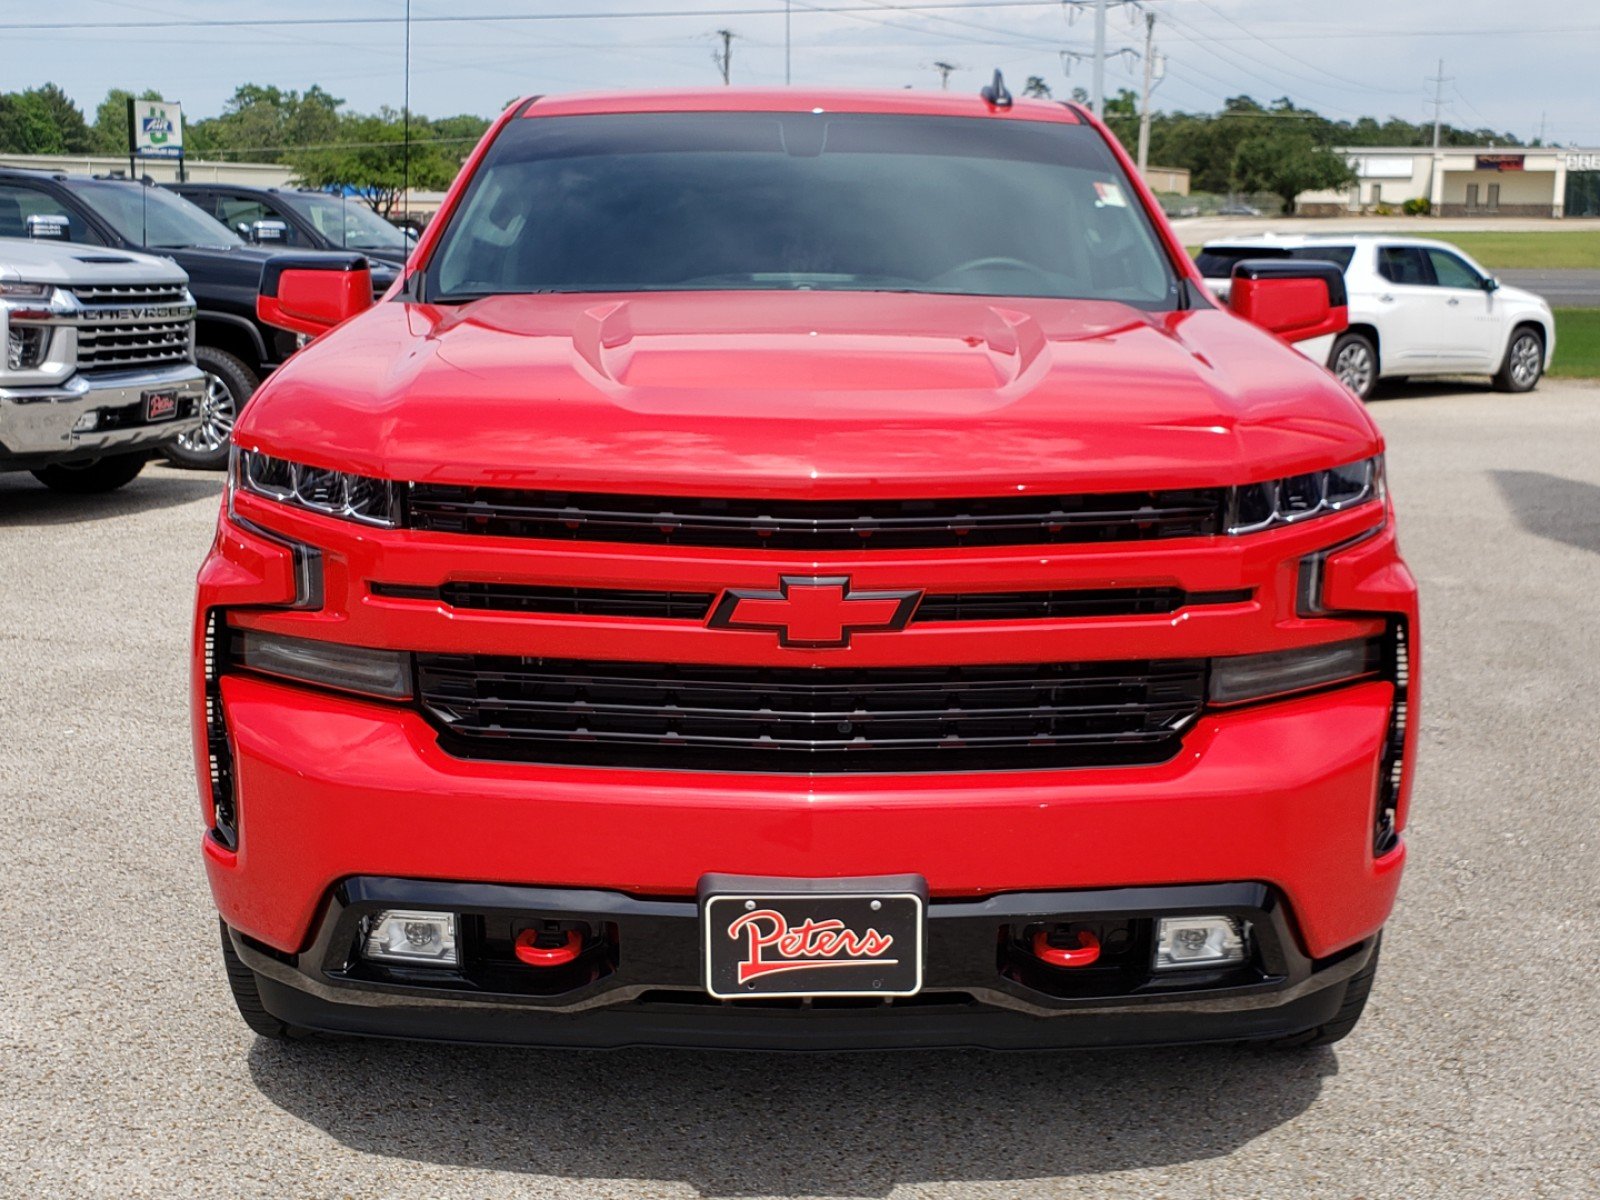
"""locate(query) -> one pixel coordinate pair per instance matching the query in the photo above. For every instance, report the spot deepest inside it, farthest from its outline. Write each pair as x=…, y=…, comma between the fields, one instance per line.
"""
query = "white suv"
x=1417, y=307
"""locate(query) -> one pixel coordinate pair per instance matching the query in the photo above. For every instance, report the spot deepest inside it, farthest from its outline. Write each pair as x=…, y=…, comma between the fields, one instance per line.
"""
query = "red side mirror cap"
x=313, y=293
x=1293, y=298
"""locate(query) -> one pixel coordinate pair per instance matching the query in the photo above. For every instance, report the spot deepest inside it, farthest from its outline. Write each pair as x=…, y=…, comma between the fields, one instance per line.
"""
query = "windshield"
x=154, y=217
x=345, y=222
x=768, y=201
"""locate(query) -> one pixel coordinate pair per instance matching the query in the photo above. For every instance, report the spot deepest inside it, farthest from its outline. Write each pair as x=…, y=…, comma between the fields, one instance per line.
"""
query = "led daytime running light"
x=332, y=493
x=1278, y=502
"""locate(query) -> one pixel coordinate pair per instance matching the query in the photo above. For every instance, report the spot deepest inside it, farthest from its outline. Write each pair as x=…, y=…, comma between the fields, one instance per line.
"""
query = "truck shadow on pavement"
x=756, y=1124
x=24, y=501
x=1549, y=506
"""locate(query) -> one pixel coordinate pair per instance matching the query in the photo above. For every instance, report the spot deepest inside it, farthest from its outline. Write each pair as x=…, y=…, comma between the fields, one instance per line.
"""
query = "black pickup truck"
x=299, y=219
x=234, y=349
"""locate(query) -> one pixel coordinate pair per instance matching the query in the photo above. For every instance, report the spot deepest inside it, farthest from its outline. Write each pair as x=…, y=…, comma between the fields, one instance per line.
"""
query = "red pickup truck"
x=804, y=569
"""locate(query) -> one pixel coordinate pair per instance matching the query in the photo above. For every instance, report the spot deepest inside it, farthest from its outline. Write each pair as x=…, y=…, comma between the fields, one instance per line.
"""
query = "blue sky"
x=1512, y=66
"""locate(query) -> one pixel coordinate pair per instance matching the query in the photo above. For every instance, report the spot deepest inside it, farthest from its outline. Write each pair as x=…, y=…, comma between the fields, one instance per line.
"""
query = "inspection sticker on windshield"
x=1110, y=194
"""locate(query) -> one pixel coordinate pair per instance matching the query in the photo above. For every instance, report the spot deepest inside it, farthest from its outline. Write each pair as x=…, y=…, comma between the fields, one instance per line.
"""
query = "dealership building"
x=1467, y=182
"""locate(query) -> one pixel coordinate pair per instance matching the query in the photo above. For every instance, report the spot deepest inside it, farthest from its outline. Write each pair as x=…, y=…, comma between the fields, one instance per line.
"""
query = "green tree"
x=1036, y=87
x=42, y=120
x=370, y=157
x=1286, y=161
x=260, y=124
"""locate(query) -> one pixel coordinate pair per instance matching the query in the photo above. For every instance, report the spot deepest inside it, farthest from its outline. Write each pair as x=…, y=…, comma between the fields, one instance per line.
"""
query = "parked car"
x=1238, y=209
x=233, y=348
x=297, y=219
x=810, y=569
x=99, y=369
x=1417, y=307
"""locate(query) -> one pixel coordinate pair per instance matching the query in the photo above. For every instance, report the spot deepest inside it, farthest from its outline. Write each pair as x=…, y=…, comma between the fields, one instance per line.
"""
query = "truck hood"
x=247, y=260
x=64, y=264
x=805, y=394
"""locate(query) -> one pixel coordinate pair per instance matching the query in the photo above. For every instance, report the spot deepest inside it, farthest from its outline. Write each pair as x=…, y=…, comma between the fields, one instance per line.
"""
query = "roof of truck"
x=784, y=99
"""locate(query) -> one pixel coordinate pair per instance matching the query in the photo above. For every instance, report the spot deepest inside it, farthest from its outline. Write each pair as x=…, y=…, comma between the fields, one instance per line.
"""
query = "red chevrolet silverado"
x=804, y=569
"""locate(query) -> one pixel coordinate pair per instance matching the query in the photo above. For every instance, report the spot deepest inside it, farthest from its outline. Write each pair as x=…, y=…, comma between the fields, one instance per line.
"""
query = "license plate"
x=804, y=938
x=160, y=406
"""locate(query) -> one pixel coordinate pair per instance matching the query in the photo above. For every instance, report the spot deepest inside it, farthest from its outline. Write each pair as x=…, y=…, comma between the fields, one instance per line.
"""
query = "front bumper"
x=39, y=425
x=639, y=982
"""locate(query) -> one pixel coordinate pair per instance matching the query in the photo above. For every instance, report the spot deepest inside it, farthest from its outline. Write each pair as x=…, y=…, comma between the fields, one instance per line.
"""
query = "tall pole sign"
x=155, y=130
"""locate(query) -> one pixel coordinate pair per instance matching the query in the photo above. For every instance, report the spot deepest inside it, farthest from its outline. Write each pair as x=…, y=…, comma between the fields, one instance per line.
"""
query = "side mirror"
x=268, y=231
x=1491, y=284
x=48, y=227
x=311, y=294
x=1293, y=298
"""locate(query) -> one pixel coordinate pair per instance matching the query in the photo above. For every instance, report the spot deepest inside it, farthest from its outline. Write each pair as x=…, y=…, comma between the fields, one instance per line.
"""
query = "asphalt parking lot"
x=124, y=1071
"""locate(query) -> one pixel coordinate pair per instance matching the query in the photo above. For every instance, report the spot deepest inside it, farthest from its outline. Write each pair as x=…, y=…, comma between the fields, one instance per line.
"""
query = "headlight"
x=1248, y=677
x=1259, y=506
x=25, y=291
x=318, y=489
x=384, y=673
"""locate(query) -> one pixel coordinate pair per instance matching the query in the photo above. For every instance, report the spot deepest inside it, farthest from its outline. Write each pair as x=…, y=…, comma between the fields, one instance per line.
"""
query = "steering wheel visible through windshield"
x=815, y=201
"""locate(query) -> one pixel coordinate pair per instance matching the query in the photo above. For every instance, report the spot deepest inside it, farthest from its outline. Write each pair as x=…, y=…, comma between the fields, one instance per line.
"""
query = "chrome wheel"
x=1356, y=368
x=217, y=413
x=1527, y=361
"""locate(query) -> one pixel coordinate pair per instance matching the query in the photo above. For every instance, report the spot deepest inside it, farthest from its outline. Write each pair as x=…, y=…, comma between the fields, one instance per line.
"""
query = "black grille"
x=802, y=720
x=1391, y=773
x=1085, y=602
x=587, y=602
x=819, y=525
x=696, y=606
x=131, y=293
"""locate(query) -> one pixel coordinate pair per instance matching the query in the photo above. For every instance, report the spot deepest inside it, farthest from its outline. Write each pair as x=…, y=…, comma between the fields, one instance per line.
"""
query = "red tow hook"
x=535, y=955
x=1087, y=952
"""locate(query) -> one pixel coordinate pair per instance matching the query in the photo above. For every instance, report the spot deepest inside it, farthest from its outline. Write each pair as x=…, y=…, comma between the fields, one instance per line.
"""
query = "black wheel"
x=91, y=478
x=242, y=982
x=1354, y=360
x=229, y=383
x=1356, y=992
x=1524, y=364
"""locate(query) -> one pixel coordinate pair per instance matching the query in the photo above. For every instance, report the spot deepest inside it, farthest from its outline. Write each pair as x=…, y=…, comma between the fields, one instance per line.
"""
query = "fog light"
x=1199, y=942
x=428, y=938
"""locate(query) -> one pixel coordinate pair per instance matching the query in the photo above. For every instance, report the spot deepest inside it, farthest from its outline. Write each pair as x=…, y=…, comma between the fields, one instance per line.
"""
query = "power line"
x=514, y=18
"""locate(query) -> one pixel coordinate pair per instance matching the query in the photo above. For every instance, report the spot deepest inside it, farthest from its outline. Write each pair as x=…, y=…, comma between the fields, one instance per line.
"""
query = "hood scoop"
x=999, y=350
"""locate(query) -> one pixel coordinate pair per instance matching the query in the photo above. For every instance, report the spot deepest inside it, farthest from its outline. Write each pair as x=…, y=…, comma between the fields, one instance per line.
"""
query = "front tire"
x=229, y=383
x=247, y=997
x=1524, y=363
x=91, y=478
x=1354, y=361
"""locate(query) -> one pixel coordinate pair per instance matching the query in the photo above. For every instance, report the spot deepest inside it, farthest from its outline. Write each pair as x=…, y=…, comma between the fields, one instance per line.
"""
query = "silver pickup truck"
x=99, y=365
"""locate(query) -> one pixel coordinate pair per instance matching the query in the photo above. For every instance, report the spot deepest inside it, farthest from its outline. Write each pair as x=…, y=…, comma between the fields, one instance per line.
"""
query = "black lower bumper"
x=639, y=984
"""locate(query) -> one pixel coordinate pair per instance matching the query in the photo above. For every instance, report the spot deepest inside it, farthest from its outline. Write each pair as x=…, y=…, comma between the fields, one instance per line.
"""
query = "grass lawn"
x=1500, y=251
x=1552, y=248
x=1577, y=343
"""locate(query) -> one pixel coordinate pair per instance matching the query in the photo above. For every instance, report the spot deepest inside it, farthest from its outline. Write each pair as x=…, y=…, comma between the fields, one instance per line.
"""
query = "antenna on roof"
x=996, y=93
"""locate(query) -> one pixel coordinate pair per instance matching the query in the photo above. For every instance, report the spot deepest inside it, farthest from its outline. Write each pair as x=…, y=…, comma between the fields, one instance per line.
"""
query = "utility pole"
x=1098, y=96
x=786, y=76
x=1438, y=81
x=944, y=70
x=1149, y=82
x=724, y=57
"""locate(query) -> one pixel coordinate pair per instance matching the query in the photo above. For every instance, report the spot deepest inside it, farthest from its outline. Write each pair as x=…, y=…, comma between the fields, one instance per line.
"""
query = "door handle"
x=1386, y=298
x=1453, y=302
